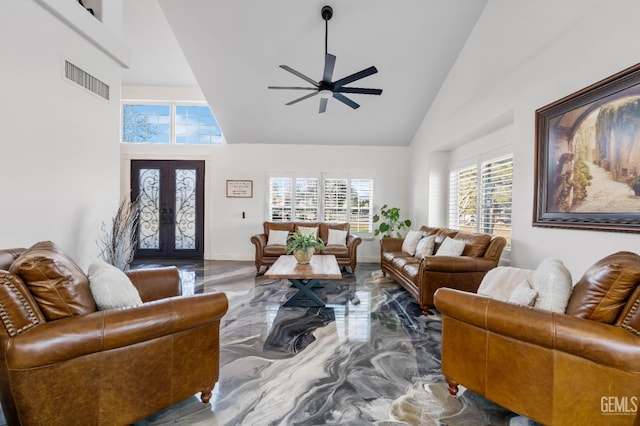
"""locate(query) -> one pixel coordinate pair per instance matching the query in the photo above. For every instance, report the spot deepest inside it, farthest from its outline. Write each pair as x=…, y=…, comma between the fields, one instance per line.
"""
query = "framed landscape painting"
x=588, y=157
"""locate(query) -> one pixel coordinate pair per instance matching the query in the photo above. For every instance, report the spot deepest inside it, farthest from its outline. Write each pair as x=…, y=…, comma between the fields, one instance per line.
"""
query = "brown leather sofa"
x=109, y=367
x=346, y=255
x=422, y=277
x=577, y=368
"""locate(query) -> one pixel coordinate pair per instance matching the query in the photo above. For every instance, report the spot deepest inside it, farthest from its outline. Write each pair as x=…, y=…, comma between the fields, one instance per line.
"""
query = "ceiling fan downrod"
x=327, y=13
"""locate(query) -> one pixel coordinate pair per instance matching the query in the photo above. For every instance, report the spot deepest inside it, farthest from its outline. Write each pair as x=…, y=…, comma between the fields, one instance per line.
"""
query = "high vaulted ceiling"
x=232, y=50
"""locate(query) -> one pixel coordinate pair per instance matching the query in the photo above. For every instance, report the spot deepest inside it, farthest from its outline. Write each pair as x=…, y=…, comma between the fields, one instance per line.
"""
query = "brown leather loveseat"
x=423, y=276
x=65, y=363
x=581, y=367
x=346, y=254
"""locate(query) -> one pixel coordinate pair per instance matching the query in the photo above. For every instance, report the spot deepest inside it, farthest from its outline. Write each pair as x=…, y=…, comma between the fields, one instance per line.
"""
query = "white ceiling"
x=232, y=50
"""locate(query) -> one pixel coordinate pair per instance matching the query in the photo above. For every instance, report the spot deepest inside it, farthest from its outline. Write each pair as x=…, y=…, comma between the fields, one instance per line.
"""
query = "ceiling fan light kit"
x=326, y=87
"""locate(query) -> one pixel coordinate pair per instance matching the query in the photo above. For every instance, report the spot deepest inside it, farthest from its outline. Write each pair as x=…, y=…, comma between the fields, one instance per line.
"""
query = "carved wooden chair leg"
x=205, y=395
x=452, y=385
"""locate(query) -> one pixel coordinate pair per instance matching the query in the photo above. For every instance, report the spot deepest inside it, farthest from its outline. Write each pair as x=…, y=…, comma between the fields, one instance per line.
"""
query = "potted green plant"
x=634, y=183
x=302, y=246
x=390, y=224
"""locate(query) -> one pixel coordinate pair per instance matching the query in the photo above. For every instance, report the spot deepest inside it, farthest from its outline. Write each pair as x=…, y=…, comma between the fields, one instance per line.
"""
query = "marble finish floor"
x=367, y=357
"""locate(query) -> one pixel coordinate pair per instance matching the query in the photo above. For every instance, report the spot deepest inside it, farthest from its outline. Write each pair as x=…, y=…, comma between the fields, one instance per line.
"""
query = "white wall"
x=227, y=234
x=523, y=55
x=60, y=157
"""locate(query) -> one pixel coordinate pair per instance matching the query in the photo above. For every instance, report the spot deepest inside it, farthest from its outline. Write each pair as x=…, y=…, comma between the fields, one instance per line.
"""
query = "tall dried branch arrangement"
x=118, y=241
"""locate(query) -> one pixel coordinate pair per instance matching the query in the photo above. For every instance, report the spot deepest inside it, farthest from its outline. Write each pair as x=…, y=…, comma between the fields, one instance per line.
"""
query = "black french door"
x=171, y=202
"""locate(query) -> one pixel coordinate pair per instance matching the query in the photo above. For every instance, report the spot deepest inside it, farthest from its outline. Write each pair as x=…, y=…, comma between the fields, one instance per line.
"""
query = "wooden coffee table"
x=305, y=277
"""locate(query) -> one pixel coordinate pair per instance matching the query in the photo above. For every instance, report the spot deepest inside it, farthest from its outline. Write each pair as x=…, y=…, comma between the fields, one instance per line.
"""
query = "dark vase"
x=636, y=190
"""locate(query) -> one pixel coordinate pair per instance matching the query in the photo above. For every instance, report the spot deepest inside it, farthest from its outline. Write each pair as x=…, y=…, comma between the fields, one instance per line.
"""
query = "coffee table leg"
x=305, y=296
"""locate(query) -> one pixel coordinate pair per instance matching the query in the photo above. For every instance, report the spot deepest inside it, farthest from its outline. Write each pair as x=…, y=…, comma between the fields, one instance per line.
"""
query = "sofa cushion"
x=307, y=229
x=499, y=283
x=278, y=226
x=552, y=281
x=441, y=234
x=388, y=256
x=475, y=244
x=411, y=270
x=57, y=284
x=425, y=246
x=277, y=238
x=450, y=247
x=111, y=288
x=604, y=290
x=326, y=226
x=400, y=261
x=14, y=293
x=410, y=242
x=523, y=294
x=337, y=251
x=271, y=251
x=337, y=237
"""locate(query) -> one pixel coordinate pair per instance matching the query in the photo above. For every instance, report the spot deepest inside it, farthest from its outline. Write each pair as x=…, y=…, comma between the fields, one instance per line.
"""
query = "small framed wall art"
x=239, y=188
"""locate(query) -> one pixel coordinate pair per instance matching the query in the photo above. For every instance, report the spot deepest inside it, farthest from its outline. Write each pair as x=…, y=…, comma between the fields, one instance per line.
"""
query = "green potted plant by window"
x=302, y=246
x=390, y=222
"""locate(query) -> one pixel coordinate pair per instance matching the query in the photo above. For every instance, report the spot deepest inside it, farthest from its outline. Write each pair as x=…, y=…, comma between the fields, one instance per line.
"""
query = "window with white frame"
x=322, y=198
x=169, y=123
x=480, y=197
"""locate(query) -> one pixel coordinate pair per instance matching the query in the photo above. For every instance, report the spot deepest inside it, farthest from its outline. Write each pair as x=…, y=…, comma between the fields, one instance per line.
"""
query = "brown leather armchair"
x=577, y=368
x=109, y=367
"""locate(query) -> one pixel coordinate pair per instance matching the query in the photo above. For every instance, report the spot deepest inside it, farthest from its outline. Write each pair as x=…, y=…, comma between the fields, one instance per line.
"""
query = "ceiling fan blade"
x=295, y=101
x=329, y=64
x=323, y=104
x=359, y=90
x=342, y=98
x=292, y=88
x=299, y=74
x=355, y=76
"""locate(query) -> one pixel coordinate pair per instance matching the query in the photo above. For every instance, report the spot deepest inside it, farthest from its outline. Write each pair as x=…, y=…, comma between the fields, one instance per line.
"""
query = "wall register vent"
x=86, y=80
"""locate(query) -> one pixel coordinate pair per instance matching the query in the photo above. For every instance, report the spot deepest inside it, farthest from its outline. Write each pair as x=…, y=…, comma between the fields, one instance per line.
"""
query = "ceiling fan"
x=326, y=87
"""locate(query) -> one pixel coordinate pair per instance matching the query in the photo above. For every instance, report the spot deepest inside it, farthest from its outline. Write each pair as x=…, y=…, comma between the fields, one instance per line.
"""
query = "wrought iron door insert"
x=171, y=197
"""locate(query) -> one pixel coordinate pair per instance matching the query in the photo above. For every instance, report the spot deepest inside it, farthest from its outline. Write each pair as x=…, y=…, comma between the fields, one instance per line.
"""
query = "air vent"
x=86, y=80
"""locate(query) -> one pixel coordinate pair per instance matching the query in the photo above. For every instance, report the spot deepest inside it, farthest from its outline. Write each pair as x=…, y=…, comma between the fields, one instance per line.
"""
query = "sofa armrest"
x=260, y=241
x=82, y=335
x=353, y=241
x=390, y=244
x=456, y=264
x=601, y=343
x=156, y=283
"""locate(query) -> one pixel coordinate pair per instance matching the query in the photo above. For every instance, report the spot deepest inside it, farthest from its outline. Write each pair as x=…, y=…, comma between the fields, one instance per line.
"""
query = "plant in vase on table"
x=302, y=246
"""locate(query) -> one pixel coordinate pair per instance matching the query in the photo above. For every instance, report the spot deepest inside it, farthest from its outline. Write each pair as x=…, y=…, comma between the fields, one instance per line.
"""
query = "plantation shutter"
x=306, y=199
x=463, y=194
x=280, y=199
x=495, y=198
x=361, y=215
x=335, y=200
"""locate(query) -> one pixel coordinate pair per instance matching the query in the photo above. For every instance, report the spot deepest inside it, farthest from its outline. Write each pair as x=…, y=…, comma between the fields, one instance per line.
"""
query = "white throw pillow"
x=501, y=282
x=111, y=288
x=337, y=237
x=552, y=281
x=425, y=246
x=277, y=238
x=450, y=247
x=308, y=230
x=411, y=241
x=523, y=294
